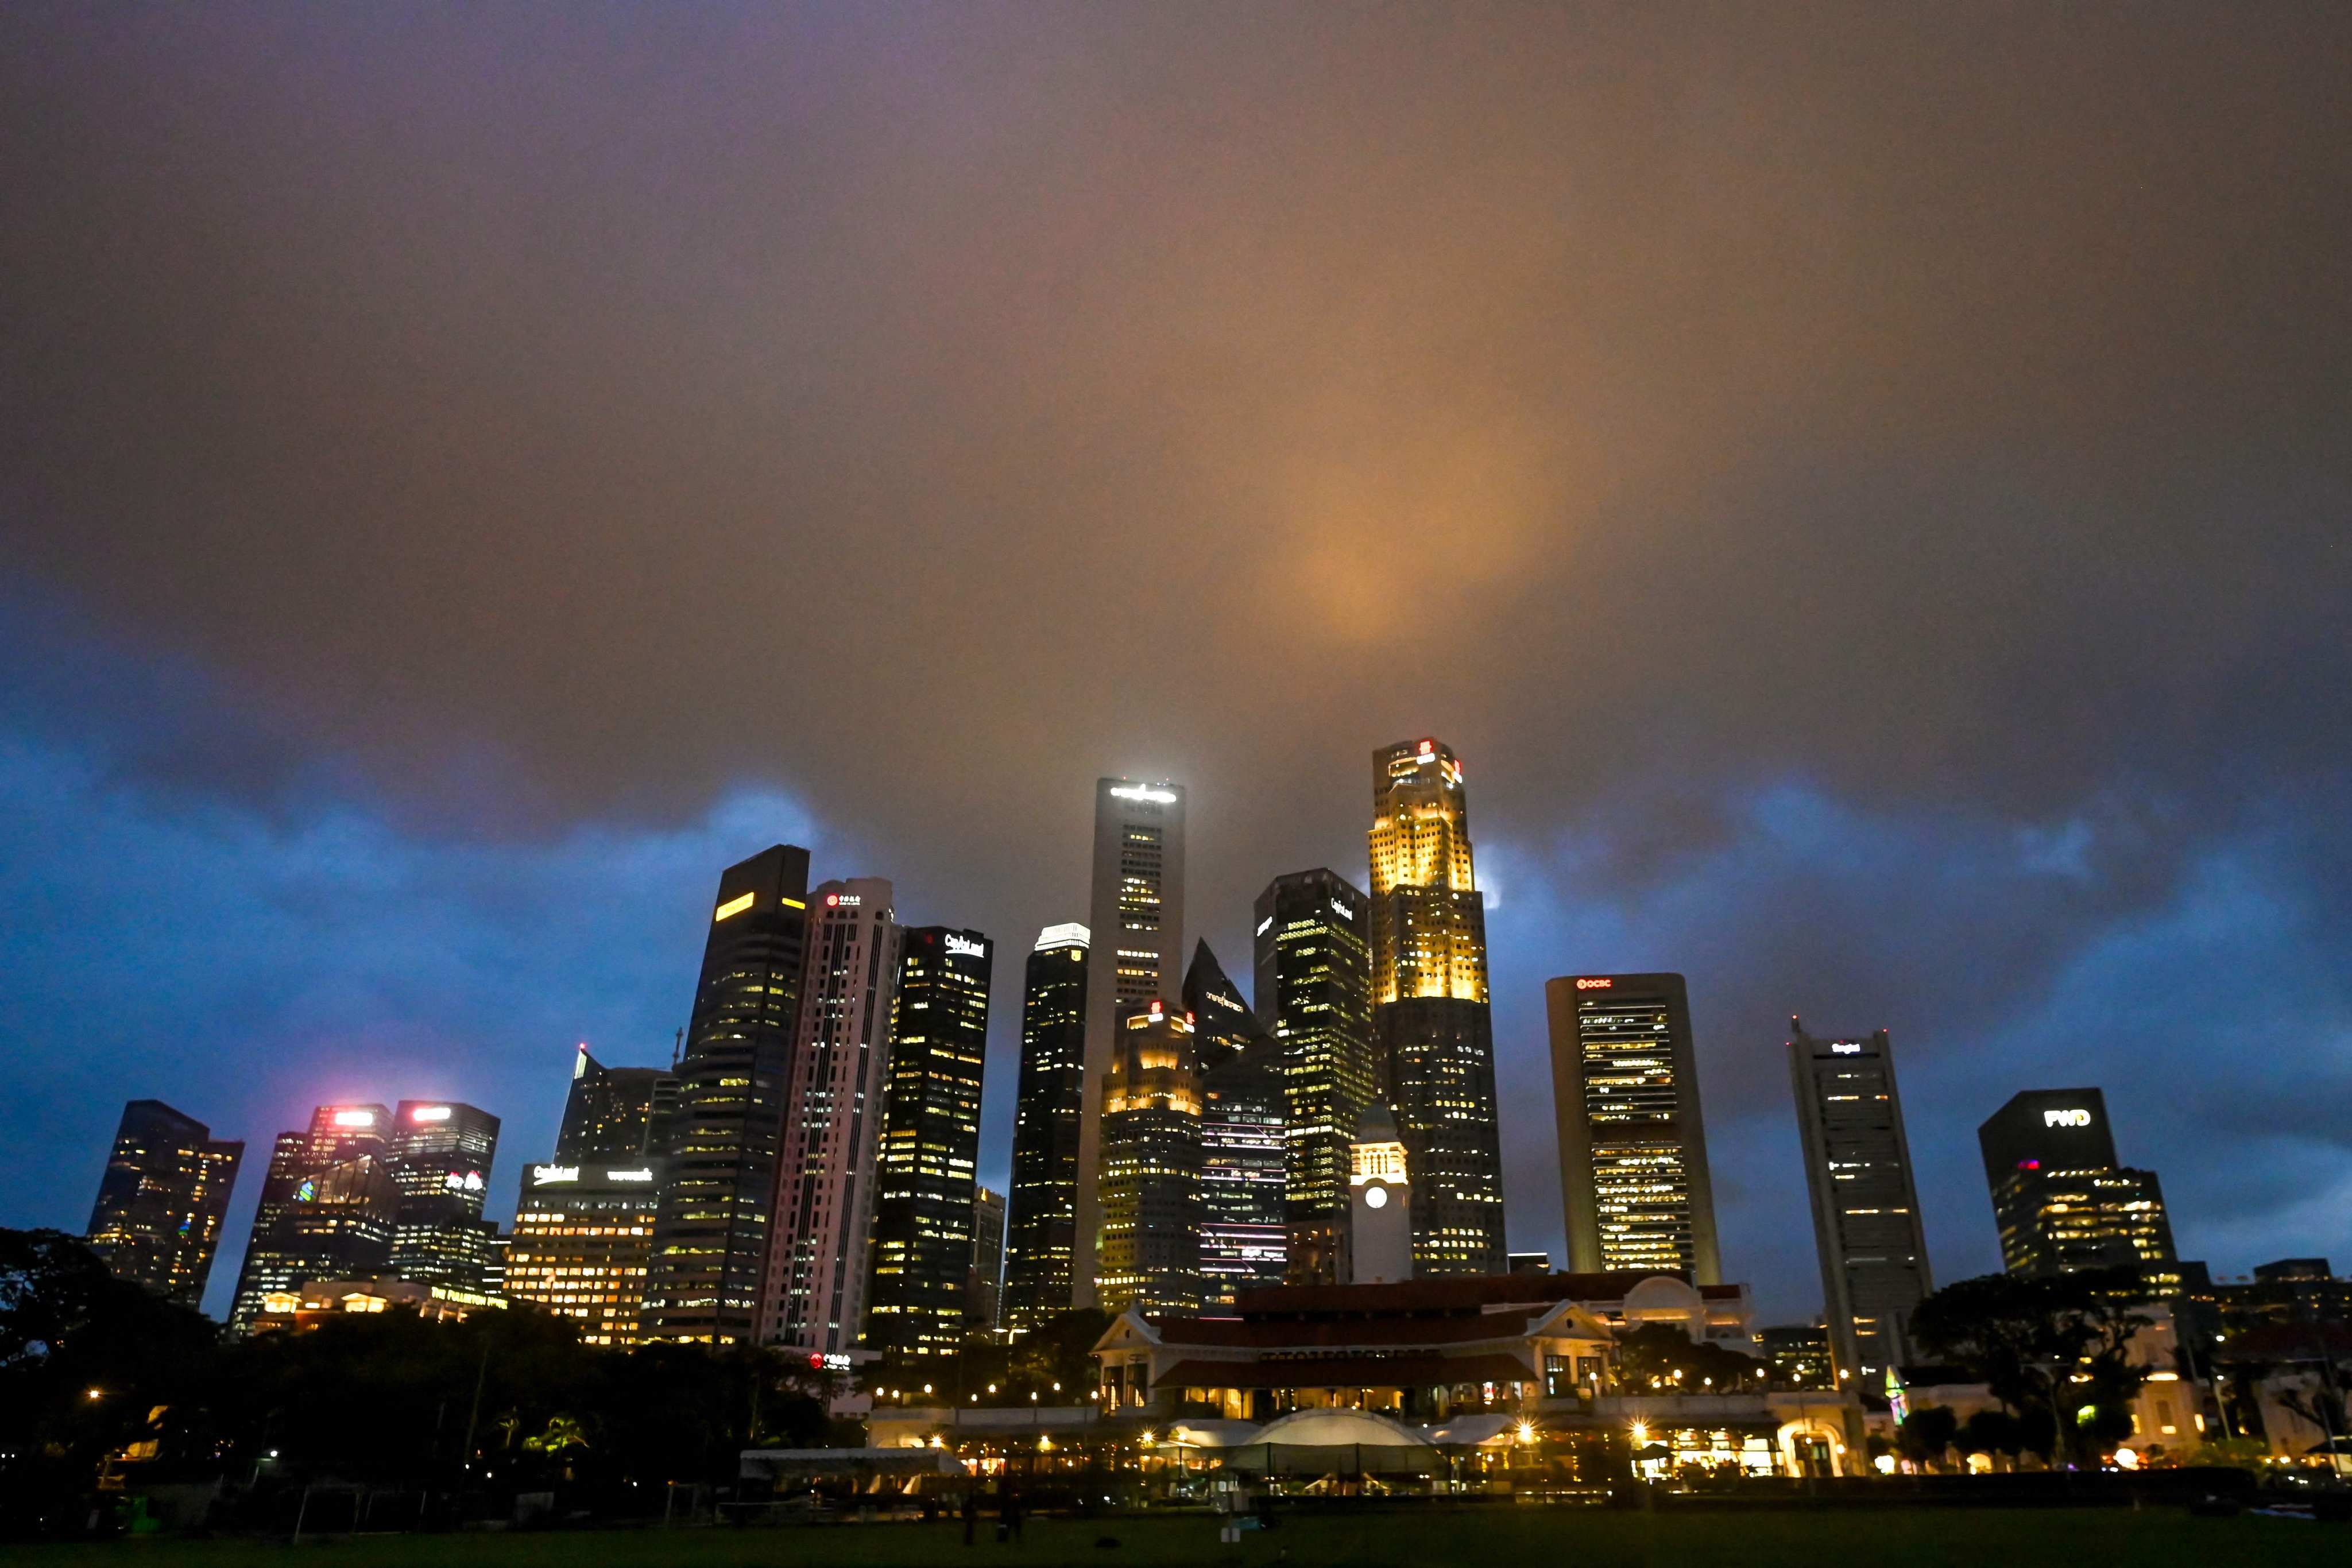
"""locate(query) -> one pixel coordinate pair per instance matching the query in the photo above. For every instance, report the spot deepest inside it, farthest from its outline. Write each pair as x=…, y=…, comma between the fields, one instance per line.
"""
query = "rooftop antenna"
x=677, y=1050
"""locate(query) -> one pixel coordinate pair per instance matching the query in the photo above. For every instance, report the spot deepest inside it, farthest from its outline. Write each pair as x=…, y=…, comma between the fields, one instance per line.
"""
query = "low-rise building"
x=1539, y=1348
x=315, y=1302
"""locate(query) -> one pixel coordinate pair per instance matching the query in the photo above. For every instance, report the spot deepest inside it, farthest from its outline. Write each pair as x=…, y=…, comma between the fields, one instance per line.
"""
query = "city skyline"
x=1863, y=489
x=2080, y=1119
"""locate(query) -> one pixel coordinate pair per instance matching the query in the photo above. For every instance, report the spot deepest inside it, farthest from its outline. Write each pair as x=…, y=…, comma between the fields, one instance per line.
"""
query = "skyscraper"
x=1150, y=1253
x=159, y=1205
x=711, y=1241
x=1043, y=1204
x=440, y=1154
x=609, y=1113
x=329, y=1207
x=1430, y=1017
x=1633, y=1146
x=1865, y=1206
x=817, y=1271
x=984, y=1296
x=917, y=1303
x=1139, y=933
x=1245, y=1242
x=2063, y=1202
x=1244, y=1238
x=1313, y=991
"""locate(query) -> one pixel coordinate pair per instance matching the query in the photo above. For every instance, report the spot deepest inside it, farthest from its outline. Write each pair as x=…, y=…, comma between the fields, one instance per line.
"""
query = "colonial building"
x=1539, y=1348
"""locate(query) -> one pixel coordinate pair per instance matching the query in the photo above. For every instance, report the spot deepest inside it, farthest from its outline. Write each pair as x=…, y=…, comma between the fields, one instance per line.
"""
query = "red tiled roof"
x=1341, y=1333
x=1348, y=1371
x=1466, y=1294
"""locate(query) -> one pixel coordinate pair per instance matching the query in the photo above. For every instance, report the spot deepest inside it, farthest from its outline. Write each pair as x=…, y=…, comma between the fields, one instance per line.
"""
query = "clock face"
x=1376, y=1196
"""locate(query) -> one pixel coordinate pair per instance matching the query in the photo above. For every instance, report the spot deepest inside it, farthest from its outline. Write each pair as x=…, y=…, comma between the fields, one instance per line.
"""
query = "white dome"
x=1337, y=1429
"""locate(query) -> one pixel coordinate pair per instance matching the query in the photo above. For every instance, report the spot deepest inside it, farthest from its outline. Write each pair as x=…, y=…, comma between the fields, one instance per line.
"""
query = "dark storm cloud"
x=1867, y=491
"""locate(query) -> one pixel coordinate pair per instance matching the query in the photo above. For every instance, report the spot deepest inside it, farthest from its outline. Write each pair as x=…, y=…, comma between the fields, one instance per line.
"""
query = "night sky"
x=1867, y=493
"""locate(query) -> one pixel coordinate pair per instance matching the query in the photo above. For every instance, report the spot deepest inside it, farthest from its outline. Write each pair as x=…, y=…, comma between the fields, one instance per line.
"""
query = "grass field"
x=1906, y=1538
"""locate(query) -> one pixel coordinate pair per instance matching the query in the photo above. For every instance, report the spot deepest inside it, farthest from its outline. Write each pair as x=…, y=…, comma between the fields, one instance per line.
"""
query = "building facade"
x=584, y=1243
x=2063, y=1201
x=159, y=1205
x=1380, y=1203
x=716, y=1219
x=441, y=1154
x=327, y=1207
x=1633, y=1146
x=1431, y=1023
x=984, y=1294
x=1314, y=992
x=919, y=1301
x=610, y=1113
x=1042, y=1208
x=1866, y=1225
x=1150, y=1254
x=1245, y=1231
x=1138, y=915
x=819, y=1265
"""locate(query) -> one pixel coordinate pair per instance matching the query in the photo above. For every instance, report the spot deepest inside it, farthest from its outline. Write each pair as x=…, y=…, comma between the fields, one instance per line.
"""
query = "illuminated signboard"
x=1157, y=796
x=544, y=1175
x=470, y=1181
x=844, y=900
x=1845, y=1048
x=1264, y=926
x=2070, y=1118
x=734, y=906
x=1343, y=911
x=1594, y=983
x=354, y=1118
x=1427, y=746
x=828, y=1361
x=966, y=948
x=634, y=1176
x=429, y=1114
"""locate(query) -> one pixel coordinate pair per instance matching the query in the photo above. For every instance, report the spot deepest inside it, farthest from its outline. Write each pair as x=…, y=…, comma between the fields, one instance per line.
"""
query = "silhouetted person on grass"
x=970, y=1512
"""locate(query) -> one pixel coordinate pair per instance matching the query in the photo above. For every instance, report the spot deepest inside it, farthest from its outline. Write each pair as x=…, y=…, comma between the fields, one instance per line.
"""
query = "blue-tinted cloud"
x=247, y=958
x=2195, y=975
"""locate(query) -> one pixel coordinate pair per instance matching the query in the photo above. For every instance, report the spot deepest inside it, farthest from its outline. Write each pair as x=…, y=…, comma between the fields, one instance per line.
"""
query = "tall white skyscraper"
x=1137, y=958
x=813, y=1294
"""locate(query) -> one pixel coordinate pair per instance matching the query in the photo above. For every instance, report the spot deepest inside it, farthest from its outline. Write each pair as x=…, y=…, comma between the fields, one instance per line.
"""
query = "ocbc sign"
x=1594, y=983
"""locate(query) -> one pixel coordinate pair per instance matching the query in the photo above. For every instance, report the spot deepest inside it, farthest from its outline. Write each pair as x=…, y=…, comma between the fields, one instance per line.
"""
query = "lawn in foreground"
x=1911, y=1537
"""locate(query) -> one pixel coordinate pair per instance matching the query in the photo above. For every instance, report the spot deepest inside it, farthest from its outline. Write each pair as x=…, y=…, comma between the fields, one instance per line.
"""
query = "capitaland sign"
x=965, y=947
x=548, y=1175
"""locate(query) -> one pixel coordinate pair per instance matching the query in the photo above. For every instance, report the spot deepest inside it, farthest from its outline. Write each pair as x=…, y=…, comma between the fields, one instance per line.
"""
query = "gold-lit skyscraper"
x=1430, y=1025
x=1151, y=1099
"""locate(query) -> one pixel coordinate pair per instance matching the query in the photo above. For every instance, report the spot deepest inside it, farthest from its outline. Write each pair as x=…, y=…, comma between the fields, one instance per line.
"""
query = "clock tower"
x=1380, y=1203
